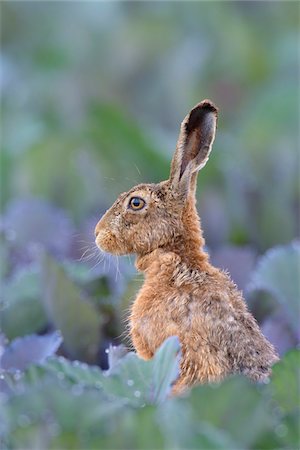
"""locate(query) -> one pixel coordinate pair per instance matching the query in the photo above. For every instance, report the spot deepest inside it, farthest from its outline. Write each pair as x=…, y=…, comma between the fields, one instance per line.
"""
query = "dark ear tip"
x=199, y=115
x=207, y=105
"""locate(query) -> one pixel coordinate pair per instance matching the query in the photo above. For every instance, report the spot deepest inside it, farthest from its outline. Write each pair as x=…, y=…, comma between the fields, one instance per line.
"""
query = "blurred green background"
x=93, y=94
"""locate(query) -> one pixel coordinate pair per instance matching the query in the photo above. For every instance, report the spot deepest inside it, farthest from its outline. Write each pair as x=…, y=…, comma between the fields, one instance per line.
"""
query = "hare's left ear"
x=194, y=145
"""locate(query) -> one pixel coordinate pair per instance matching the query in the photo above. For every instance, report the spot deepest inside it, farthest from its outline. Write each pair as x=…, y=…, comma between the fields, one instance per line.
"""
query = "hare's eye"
x=136, y=203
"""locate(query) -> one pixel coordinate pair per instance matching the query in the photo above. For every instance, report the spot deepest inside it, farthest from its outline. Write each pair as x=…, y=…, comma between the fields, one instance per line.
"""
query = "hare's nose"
x=96, y=233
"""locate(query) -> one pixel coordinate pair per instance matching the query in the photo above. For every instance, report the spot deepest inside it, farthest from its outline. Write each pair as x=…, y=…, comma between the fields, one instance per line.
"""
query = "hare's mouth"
x=106, y=241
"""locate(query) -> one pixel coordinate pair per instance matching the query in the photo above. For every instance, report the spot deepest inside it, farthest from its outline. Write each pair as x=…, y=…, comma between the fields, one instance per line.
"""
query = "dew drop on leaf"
x=277, y=411
x=17, y=375
x=77, y=389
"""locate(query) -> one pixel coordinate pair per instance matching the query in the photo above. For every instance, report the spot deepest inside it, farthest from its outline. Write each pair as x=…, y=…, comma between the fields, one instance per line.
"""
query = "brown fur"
x=183, y=294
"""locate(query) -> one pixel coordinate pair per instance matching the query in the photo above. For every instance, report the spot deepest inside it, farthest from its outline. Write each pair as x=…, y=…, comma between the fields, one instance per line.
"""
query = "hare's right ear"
x=194, y=145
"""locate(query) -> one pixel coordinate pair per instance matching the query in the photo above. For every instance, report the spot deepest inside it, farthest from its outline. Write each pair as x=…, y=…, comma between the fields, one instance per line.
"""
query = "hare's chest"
x=150, y=320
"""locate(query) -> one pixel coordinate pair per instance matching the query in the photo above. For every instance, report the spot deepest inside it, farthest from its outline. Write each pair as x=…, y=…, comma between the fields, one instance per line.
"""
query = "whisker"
x=83, y=241
x=99, y=261
x=118, y=267
x=138, y=170
x=131, y=180
x=83, y=256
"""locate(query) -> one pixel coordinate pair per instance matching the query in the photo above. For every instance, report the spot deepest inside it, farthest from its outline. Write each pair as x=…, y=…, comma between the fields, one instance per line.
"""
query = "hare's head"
x=151, y=216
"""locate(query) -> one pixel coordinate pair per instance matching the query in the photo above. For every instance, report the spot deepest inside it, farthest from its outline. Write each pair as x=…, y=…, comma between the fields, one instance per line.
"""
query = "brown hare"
x=183, y=294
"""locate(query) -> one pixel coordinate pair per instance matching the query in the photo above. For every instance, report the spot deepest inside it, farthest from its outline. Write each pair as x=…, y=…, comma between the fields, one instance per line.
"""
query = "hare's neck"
x=189, y=246
x=186, y=247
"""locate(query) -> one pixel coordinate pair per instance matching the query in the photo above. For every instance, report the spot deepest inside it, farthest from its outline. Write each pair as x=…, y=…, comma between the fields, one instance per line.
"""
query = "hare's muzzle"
x=106, y=240
x=102, y=240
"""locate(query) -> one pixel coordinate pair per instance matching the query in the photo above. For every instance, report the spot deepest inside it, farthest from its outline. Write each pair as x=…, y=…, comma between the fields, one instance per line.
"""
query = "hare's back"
x=221, y=319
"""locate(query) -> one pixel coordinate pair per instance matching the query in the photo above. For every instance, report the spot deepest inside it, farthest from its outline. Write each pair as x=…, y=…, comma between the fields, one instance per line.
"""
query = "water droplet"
x=281, y=430
x=76, y=363
x=277, y=411
x=266, y=381
x=23, y=421
x=98, y=384
x=17, y=375
x=137, y=394
x=2, y=376
x=106, y=350
x=60, y=375
x=130, y=382
x=77, y=389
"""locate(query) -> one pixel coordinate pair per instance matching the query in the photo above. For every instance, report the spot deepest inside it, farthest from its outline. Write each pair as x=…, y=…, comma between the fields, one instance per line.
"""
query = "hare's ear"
x=194, y=144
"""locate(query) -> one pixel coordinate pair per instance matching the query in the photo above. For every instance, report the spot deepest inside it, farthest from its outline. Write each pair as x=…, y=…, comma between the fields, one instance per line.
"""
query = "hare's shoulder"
x=217, y=297
x=207, y=285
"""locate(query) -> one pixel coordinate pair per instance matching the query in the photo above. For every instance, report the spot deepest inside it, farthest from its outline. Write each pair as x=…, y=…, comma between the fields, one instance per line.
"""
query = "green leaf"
x=209, y=437
x=4, y=258
x=73, y=372
x=130, y=379
x=71, y=313
x=63, y=416
x=146, y=381
x=30, y=349
x=165, y=369
x=288, y=430
x=136, y=381
x=113, y=129
x=277, y=272
x=58, y=413
x=23, y=312
x=236, y=406
x=285, y=381
x=182, y=428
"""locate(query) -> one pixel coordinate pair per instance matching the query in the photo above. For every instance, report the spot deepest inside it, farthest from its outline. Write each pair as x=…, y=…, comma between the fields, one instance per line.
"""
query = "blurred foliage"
x=45, y=403
x=277, y=272
x=92, y=97
x=70, y=312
